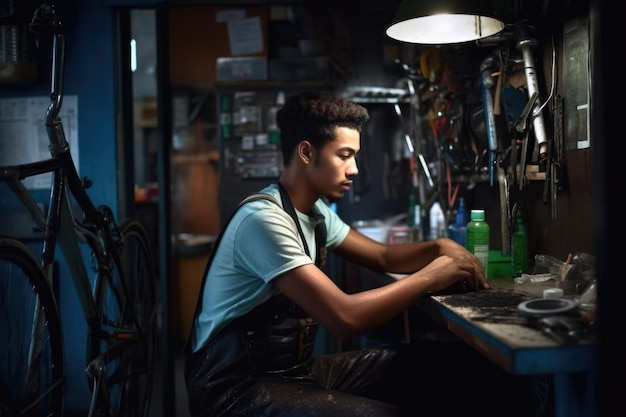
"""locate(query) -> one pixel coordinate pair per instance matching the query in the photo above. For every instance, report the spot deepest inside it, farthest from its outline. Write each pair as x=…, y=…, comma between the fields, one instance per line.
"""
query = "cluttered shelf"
x=533, y=173
x=273, y=84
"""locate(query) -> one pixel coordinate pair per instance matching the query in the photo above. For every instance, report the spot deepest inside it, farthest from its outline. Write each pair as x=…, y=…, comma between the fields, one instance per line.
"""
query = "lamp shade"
x=444, y=21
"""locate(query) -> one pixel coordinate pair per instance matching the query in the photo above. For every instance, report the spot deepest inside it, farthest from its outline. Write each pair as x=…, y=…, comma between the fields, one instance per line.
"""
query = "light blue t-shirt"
x=260, y=243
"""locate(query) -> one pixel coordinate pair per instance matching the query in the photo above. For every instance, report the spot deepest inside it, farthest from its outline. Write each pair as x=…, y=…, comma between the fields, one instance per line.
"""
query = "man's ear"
x=305, y=151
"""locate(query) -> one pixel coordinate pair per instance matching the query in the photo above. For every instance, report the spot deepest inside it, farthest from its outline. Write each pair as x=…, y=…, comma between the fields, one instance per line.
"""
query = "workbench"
x=518, y=348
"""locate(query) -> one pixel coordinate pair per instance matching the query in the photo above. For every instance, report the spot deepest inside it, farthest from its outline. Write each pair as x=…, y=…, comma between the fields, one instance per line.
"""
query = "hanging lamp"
x=444, y=21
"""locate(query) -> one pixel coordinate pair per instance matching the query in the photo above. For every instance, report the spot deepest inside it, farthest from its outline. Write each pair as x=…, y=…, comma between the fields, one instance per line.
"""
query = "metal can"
x=400, y=234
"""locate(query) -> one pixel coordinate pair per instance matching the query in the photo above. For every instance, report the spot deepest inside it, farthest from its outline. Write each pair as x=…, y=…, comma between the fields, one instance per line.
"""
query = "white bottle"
x=437, y=222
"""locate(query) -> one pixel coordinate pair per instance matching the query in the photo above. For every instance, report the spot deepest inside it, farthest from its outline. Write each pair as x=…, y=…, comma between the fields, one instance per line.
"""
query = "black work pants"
x=425, y=378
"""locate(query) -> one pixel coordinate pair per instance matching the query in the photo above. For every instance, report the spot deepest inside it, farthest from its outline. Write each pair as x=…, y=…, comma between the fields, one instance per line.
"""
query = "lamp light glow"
x=444, y=21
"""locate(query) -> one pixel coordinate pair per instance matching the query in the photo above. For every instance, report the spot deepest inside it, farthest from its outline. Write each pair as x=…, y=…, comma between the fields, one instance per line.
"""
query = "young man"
x=250, y=349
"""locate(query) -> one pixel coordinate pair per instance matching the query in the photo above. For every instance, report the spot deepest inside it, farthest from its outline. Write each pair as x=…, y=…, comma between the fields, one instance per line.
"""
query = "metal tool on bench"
x=563, y=329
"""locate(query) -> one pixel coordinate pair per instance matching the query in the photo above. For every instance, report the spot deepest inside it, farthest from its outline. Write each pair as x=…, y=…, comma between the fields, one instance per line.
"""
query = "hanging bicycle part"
x=486, y=78
x=526, y=45
x=521, y=126
x=411, y=146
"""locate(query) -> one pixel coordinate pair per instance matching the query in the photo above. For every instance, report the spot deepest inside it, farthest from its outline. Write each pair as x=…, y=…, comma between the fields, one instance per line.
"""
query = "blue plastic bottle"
x=457, y=231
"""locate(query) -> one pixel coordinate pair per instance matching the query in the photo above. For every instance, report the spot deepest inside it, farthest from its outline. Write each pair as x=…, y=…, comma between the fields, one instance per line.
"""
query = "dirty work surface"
x=494, y=300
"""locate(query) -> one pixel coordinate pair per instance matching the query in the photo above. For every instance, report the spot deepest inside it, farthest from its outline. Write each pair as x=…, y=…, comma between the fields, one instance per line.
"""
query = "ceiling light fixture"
x=444, y=21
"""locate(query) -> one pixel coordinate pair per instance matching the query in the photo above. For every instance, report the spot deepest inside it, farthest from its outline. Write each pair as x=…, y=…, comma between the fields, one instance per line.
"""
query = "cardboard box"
x=242, y=69
x=299, y=69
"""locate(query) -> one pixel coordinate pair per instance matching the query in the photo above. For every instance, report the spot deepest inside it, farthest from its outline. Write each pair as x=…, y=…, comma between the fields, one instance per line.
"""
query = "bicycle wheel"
x=127, y=339
x=31, y=346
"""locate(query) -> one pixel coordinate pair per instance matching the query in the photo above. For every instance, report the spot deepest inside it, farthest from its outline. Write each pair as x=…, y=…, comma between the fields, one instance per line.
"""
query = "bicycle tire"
x=25, y=290
x=129, y=312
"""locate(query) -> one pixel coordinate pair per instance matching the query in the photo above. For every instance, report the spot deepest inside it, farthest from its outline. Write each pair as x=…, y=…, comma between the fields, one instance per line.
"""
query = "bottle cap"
x=477, y=215
x=553, y=293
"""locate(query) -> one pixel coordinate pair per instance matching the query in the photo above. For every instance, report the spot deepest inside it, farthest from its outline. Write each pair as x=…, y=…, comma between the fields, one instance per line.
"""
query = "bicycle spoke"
x=129, y=313
x=31, y=357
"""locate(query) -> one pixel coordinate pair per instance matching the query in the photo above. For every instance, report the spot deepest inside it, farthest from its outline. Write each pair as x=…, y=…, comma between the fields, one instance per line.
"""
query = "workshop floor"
x=180, y=394
x=396, y=328
x=429, y=329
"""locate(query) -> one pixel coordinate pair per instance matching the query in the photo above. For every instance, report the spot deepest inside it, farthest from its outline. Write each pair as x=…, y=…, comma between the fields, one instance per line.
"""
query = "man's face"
x=334, y=167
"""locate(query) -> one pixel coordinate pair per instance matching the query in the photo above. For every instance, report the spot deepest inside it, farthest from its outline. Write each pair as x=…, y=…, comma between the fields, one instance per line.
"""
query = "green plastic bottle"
x=519, y=249
x=478, y=237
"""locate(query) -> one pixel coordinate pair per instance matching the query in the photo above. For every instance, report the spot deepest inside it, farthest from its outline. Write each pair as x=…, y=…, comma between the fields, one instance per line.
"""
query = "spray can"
x=478, y=237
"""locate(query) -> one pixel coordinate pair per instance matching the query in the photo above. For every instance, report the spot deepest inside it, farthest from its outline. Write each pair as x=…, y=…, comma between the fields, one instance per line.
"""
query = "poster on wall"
x=23, y=136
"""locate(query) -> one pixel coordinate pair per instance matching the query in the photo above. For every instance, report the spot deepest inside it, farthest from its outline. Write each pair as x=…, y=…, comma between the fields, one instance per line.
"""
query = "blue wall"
x=90, y=74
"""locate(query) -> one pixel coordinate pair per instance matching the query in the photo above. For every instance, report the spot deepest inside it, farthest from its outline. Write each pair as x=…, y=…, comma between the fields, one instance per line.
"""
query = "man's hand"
x=467, y=261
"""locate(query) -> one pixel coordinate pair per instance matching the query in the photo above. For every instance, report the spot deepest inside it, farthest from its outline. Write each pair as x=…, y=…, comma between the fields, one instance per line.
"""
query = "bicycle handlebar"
x=45, y=20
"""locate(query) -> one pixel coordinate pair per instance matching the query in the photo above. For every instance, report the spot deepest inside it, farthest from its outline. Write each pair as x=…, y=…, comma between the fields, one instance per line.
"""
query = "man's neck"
x=299, y=193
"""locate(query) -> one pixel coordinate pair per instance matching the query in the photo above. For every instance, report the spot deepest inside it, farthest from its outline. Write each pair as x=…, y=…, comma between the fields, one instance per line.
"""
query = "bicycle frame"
x=66, y=185
x=70, y=205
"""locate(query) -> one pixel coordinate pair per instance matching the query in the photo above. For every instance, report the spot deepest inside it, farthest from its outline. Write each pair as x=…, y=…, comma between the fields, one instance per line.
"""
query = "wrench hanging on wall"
x=486, y=78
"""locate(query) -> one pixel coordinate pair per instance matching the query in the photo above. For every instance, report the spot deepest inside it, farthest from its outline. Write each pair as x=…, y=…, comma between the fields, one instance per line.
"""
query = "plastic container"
x=519, y=249
x=457, y=231
x=374, y=229
x=399, y=234
x=478, y=238
x=553, y=293
x=499, y=265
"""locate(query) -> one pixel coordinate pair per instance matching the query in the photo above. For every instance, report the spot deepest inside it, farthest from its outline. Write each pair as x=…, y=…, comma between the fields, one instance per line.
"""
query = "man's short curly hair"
x=313, y=116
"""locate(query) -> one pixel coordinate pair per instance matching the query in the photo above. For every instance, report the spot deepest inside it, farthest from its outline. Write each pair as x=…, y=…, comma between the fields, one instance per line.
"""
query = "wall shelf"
x=533, y=173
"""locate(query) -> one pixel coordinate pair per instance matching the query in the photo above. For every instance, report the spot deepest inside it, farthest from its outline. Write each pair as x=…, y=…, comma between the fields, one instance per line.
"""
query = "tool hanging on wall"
x=486, y=69
x=505, y=213
x=521, y=126
x=525, y=45
x=554, y=159
x=411, y=146
x=558, y=160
